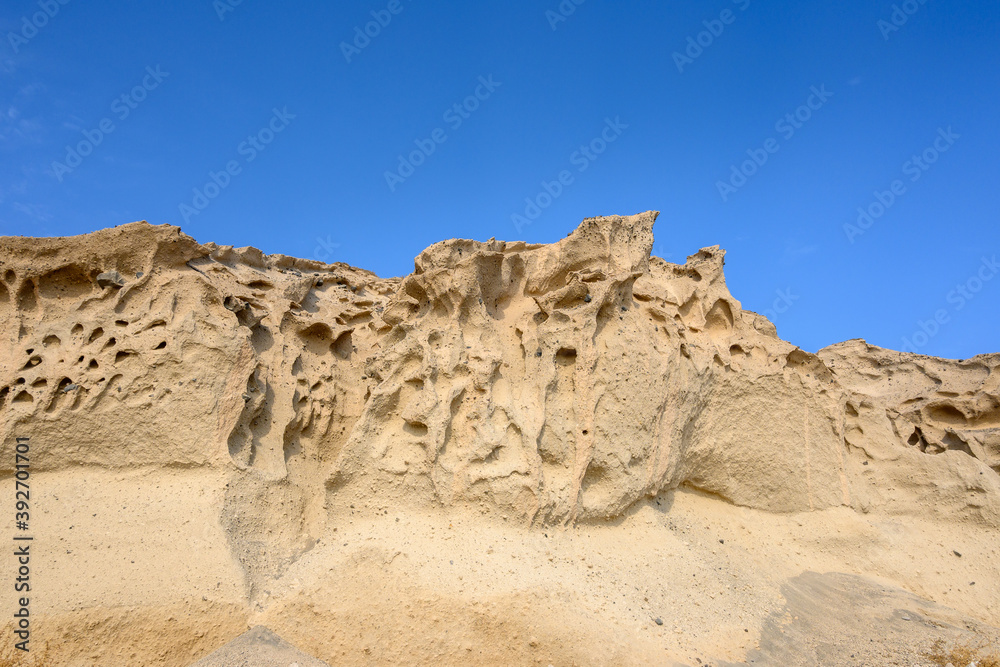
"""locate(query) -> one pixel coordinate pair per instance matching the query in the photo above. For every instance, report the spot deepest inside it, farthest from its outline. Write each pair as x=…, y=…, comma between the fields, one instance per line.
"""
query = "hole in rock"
x=415, y=428
x=67, y=282
x=566, y=355
x=26, y=296
x=955, y=443
x=343, y=347
x=948, y=414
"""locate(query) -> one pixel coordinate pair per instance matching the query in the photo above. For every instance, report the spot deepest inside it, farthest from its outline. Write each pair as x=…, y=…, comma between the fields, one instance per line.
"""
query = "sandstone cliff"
x=542, y=385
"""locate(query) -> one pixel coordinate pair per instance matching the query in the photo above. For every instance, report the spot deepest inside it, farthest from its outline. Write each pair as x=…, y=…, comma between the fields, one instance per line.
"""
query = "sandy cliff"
x=222, y=438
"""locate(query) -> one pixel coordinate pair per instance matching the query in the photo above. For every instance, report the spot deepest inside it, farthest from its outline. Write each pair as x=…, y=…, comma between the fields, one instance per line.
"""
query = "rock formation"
x=547, y=386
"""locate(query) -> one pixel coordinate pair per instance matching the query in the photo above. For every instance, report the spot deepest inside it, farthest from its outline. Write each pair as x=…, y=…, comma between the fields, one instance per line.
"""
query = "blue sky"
x=761, y=127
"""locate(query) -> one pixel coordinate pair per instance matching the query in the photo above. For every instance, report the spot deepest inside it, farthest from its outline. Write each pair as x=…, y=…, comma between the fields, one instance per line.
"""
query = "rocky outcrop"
x=553, y=383
x=540, y=384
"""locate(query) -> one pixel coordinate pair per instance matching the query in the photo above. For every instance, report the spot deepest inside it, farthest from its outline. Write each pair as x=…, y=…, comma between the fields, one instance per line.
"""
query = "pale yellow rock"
x=517, y=453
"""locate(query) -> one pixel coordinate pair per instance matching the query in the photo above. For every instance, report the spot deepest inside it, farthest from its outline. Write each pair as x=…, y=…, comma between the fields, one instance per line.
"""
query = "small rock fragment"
x=110, y=279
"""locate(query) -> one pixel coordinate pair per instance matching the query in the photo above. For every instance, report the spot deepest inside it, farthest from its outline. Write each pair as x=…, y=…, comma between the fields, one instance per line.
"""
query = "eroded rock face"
x=565, y=382
x=548, y=383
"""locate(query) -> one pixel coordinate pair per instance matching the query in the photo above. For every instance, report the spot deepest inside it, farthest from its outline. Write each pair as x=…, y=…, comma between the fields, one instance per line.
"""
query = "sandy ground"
x=153, y=580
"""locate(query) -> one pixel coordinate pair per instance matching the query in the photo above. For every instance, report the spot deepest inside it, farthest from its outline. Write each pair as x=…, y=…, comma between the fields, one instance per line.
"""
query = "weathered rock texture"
x=542, y=384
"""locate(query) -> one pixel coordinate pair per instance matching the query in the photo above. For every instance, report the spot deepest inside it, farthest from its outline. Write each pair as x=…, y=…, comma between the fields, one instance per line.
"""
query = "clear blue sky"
x=309, y=116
